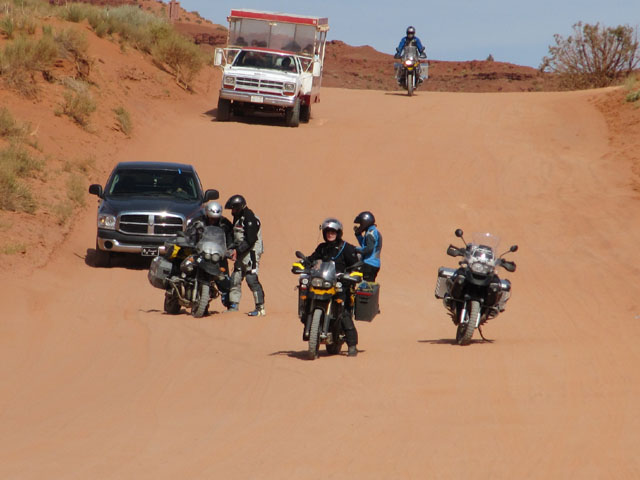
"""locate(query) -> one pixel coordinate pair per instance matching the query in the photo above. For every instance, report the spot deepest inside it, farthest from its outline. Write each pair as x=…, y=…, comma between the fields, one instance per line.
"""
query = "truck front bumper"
x=258, y=98
x=113, y=241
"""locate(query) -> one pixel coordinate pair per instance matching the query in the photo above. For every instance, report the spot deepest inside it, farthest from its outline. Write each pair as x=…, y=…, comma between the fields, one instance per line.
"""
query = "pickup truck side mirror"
x=317, y=69
x=95, y=189
x=211, y=194
x=217, y=57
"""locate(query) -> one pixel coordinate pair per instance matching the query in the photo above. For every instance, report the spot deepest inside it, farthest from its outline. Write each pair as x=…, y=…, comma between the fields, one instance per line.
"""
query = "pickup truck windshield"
x=174, y=183
x=269, y=61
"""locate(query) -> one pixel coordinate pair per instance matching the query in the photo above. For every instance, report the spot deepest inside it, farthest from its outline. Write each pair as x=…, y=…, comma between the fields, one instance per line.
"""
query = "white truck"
x=272, y=64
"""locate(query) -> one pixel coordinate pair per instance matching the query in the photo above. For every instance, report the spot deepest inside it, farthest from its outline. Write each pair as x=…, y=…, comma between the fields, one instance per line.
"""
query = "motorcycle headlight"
x=316, y=282
x=229, y=81
x=107, y=221
x=304, y=281
x=408, y=63
x=215, y=257
x=326, y=284
x=207, y=256
x=187, y=265
x=480, y=268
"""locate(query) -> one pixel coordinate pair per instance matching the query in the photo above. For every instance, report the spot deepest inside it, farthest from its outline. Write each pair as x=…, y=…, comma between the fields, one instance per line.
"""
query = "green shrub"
x=124, y=120
x=79, y=105
x=22, y=58
x=594, y=56
x=7, y=26
x=76, y=190
x=633, y=96
x=17, y=161
x=184, y=58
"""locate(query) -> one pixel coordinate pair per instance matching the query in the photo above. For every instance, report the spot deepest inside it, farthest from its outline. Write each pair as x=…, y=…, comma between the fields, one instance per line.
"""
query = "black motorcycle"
x=322, y=293
x=473, y=293
x=191, y=273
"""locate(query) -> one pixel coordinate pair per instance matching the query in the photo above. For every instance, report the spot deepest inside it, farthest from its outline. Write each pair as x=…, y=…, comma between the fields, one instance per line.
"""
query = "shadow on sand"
x=272, y=119
x=118, y=260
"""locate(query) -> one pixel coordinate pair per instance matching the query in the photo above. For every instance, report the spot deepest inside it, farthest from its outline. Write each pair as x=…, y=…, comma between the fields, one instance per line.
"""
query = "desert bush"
x=7, y=26
x=63, y=211
x=13, y=248
x=594, y=56
x=633, y=96
x=79, y=105
x=76, y=190
x=75, y=12
x=9, y=127
x=75, y=46
x=16, y=162
x=22, y=58
x=182, y=57
x=123, y=118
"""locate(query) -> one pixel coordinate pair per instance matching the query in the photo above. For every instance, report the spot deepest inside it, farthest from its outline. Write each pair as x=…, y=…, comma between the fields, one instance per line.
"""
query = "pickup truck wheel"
x=101, y=259
x=224, y=110
x=292, y=115
x=305, y=113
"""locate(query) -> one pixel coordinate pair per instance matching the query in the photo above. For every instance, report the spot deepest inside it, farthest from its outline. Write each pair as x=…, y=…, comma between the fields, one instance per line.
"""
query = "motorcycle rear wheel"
x=465, y=330
x=314, y=334
x=202, y=301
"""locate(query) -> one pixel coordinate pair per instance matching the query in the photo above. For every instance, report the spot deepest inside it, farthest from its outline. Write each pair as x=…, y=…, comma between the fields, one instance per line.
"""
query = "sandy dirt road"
x=96, y=382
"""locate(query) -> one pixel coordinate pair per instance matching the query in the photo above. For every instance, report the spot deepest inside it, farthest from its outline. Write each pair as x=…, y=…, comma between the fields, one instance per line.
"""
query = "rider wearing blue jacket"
x=410, y=38
x=370, y=241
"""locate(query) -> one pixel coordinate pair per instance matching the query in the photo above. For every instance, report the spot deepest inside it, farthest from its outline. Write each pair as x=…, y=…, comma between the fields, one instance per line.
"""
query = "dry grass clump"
x=23, y=58
x=78, y=102
x=123, y=119
x=15, y=164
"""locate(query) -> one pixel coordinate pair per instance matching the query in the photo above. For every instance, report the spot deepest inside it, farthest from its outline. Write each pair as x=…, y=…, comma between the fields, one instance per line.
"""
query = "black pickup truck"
x=145, y=204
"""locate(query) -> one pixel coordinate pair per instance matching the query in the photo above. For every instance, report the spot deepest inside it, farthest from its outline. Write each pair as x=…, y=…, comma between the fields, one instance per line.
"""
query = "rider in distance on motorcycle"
x=409, y=39
x=344, y=255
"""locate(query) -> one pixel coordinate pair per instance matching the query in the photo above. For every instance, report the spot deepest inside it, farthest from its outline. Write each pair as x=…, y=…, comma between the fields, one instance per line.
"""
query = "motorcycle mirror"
x=459, y=233
x=514, y=248
x=300, y=255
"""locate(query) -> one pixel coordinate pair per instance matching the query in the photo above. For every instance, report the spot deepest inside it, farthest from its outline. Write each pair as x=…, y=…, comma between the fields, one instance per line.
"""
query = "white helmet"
x=331, y=224
x=213, y=210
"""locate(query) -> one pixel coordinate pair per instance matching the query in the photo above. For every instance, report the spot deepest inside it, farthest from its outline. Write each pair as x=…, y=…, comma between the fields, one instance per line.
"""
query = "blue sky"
x=512, y=31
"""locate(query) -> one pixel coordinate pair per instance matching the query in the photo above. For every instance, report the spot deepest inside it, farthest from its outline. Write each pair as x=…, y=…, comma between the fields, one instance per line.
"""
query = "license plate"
x=150, y=252
x=257, y=99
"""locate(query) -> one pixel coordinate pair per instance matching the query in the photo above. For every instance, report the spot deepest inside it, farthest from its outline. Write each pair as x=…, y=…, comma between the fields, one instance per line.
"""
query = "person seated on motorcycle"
x=213, y=217
x=344, y=255
x=409, y=39
x=370, y=241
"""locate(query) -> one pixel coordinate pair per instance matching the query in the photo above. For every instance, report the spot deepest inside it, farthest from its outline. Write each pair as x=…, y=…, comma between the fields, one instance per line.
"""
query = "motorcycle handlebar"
x=508, y=266
x=454, y=251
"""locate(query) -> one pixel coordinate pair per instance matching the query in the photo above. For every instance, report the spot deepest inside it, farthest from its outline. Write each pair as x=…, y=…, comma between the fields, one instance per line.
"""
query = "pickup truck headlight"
x=107, y=221
x=289, y=88
x=229, y=81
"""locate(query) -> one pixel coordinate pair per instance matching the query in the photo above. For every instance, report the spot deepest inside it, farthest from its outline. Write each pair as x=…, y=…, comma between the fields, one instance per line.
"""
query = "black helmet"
x=411, y=32
x=365, y=220
x=235, y=201
x=331, y=224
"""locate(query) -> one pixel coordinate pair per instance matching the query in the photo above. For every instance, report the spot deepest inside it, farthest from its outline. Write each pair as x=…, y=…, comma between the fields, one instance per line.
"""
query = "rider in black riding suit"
x=335, y=249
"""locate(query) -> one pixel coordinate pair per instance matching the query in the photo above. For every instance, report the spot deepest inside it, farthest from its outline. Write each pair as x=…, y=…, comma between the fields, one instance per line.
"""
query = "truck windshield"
x=267, y=60
x=290, y=37
x=174, y=183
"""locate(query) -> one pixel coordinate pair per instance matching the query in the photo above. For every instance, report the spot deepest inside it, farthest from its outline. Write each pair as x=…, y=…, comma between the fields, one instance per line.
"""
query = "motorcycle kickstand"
x=483, y=337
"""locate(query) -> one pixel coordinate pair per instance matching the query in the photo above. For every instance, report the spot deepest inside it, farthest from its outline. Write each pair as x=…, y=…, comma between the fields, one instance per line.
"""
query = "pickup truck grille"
x=250, y=84
x=150, y=224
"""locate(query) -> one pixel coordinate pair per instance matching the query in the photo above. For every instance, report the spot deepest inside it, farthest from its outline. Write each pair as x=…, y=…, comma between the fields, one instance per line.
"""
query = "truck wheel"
x=292, y=115
x=305, y=113
x=102, y=259
x=224, y=110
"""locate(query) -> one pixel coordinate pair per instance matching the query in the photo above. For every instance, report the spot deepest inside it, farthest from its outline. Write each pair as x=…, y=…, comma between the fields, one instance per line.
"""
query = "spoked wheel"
x=465, y=330
x=410, y=84
x=314, y=334
x=202, y=301
x=171, y=303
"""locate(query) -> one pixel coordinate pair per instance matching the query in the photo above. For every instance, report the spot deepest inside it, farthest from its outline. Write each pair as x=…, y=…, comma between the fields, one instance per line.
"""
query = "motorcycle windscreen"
x=485, y=238
x=213, y=240
x=325, y=270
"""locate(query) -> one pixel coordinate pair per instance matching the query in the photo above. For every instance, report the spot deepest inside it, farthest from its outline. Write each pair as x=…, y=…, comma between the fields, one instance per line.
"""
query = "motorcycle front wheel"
x=335, y=346
x=410, y=84
x=314, y=334
x=202, y=300
x=465, y=330
x=171, y=303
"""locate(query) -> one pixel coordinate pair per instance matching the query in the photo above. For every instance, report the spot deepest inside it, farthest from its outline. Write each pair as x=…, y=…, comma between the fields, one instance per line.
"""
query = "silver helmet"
x=213, y=210
x=331, y=224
